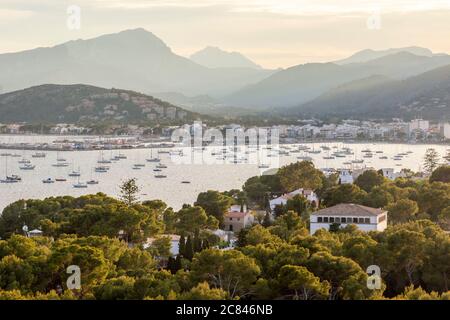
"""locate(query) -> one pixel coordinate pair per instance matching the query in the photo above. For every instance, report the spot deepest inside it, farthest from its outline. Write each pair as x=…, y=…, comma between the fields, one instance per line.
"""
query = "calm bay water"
x=171, y=189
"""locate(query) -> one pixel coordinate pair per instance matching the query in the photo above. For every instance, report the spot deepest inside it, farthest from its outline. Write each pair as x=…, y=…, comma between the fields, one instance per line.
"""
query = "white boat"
x=48, y=180
x=161, y=166
x=39, y=155
x=9, y=179
x=74, y=174
x=80, y=185
x=140, y=165
x=23, y=161
x=60, y=179
x=14, y=177
x=160, y=176
x=101, y=169
x=263, y=166
x=60, y=165
x=92, y=182
x=27, y=166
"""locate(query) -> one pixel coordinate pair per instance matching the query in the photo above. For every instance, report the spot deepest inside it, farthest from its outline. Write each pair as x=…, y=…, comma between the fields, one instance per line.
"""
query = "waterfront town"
x=132, y=136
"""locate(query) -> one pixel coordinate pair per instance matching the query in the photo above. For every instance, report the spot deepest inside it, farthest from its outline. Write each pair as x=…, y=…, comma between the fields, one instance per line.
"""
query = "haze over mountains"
x=299, y=84
x=393, y=82
x=132, y=59
x=213, y=57
x=426, y=95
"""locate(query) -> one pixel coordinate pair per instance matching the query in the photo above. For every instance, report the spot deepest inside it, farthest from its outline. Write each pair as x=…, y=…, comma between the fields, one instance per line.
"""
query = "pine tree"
x=197, y=245
x=129, y=191
x=205, y=244
x=177, y=264
x=431, y=160
x=171, y=265
x=267, y=222
x=189, y=250
x=182, y=245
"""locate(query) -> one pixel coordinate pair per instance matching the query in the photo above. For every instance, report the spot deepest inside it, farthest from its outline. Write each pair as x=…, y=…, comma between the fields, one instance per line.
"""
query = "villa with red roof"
x=238, y=218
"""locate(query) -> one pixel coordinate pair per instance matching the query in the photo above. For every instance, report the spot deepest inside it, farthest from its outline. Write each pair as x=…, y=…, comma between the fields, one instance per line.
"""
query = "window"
x=337, y=220
x=231, y=219
x=325, y=219
x=319, y=219
x=360, y=220
x=343, y=220
x=382, y=218
x=355, y=220
x=367, y=220
x=239, y=219
x=331, y=219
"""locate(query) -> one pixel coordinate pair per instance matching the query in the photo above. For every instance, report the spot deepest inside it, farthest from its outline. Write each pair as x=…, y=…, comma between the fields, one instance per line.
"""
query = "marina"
x=172, y=174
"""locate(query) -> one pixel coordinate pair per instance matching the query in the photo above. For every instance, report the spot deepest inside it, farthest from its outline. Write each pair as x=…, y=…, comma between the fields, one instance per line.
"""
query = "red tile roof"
x=233, y=214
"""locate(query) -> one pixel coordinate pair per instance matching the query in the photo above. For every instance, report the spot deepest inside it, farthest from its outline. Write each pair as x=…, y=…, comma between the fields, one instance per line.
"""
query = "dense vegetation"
x=279, y=259
x=87, y=105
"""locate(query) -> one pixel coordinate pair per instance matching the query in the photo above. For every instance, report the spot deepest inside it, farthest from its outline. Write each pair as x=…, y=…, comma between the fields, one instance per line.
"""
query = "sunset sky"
x=273, y=33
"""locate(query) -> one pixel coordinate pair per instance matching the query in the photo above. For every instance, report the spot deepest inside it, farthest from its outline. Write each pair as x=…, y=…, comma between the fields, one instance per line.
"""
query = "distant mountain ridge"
x=213, y=57
x=132, y=59
x=369, y=54
x=138, y=60
x=300, y=84
x=426, y=95
x=82, y=103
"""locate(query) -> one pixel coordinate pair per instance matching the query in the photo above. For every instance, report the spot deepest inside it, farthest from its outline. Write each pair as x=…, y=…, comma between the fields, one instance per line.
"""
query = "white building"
x=390, y=174
x=174, y=243
x=419, y=124
x=310, y=195
x=365, y=218
x=35, y=233
x=445, y=130
x=345, y=176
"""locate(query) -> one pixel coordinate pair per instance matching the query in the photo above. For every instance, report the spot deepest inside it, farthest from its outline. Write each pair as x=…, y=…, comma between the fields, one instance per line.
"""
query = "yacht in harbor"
x=9, y=178
x=39, y=155
x=152, y=159
x=27, y=166
x=101, y=169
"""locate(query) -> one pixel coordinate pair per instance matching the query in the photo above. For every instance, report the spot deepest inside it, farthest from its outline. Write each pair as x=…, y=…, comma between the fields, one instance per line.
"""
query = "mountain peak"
x=214, y=57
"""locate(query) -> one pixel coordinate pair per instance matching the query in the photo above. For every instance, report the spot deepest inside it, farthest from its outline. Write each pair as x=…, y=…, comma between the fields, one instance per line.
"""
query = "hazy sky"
x=273, y=33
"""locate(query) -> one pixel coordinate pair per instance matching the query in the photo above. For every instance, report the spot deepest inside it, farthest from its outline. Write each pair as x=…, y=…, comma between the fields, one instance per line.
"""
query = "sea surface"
x=208, y=173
